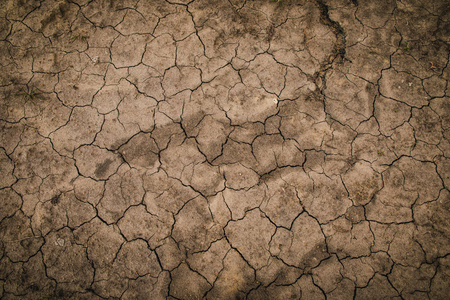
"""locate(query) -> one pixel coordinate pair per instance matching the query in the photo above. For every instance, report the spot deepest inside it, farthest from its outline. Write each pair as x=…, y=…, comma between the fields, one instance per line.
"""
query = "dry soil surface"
x=224, y=149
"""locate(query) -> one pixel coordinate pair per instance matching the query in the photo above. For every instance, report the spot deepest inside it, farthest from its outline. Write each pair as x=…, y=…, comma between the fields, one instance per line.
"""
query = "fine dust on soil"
x=188, y=149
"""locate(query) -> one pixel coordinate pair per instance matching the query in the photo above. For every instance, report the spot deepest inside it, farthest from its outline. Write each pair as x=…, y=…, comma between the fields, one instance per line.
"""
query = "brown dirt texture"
x=224, y=149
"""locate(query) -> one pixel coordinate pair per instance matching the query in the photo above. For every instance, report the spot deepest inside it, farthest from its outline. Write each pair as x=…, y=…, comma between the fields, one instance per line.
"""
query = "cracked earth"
x=224, y=149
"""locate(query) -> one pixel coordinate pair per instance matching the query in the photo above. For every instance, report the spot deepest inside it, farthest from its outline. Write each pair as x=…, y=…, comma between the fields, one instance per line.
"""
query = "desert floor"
x=224, y=149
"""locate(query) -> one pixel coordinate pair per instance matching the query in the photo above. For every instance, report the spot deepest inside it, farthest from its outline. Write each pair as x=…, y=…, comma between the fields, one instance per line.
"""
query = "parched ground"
x=224, y=149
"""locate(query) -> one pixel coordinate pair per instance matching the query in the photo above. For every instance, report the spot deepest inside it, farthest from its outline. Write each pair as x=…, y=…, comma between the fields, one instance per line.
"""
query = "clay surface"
x=213, y=149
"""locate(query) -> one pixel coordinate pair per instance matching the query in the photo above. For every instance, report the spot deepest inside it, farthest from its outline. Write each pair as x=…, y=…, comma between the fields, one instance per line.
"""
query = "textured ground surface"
x=224, y=149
